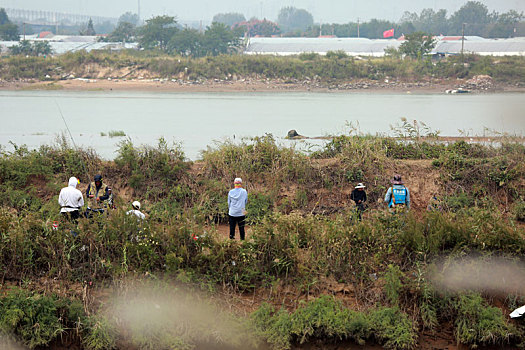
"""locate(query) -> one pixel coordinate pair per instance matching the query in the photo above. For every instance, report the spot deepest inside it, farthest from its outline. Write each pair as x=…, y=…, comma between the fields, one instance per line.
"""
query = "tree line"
x=474, y=15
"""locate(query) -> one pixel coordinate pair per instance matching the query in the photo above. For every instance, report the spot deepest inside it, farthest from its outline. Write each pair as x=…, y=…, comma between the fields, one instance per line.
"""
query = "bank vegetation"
x=309, y=270
x=335, y=67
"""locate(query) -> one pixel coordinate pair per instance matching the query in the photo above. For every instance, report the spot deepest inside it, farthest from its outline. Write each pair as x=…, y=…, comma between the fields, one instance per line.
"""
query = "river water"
x=197, y=119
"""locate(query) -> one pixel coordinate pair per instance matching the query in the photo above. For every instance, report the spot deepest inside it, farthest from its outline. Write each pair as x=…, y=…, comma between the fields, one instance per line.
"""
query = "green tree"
x=474, y=14
x=123, y=33
x=157, y=32
x=187, y=42
x=8, y=30
x=41, y=48
x=220, y=39
x=417, y=45
x=257, y=27
x=26, y=48
x=129, y=17
x=505, y=24
x=89, y=30
x=230, y=18
x=293, y=19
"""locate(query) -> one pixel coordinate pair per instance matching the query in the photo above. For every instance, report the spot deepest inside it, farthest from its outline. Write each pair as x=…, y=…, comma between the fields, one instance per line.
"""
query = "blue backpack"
x=399, y=196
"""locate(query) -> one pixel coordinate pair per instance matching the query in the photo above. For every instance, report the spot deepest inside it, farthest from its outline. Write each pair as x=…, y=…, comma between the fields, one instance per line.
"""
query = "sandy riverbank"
x=242, y=86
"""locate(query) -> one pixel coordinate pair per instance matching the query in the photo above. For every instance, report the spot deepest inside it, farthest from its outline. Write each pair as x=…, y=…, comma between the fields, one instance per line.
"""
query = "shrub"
x=100, y=334
x=519, y=210
x=393, y=284
x=273, y=327
x=476, y=323
x=35, y=319
x=326, y=318
x=393, y=329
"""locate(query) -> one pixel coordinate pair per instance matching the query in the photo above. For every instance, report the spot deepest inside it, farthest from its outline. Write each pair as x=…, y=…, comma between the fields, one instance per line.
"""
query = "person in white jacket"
x=71, y=200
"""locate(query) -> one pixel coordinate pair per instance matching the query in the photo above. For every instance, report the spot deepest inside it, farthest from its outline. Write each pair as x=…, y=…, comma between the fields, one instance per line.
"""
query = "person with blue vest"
x=398, y=196
x=237, y=200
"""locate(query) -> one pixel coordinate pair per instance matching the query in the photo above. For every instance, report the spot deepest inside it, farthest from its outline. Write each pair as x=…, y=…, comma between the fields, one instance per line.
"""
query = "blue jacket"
x=401, y=196
x=237, y=199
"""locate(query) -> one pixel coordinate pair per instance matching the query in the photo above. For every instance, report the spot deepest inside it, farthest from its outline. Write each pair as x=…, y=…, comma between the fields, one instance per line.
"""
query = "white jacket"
x=70, y=199
x=137, y=213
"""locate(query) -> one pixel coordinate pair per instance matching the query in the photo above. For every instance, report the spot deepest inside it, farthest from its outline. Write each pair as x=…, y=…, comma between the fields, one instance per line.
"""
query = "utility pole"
x=463, y=42
x=24, y=25
x=358, y=27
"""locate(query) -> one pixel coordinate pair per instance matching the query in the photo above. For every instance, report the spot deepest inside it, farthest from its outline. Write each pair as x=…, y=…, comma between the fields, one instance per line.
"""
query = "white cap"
x=237, y=180
x=136, y=205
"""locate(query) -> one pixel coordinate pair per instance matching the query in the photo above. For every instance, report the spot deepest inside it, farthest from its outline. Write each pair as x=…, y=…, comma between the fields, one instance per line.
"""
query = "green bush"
x=476, y=323
x=519, y=210
x=36, y=320
x=101, y=334
x=326, y=319
x=393, y=329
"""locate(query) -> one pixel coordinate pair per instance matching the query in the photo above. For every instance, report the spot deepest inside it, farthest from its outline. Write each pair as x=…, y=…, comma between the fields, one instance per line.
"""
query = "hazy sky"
x=339, y=11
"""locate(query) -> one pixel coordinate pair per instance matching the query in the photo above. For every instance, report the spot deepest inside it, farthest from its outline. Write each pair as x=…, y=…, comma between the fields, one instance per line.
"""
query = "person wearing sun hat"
x=237, y=200
x=398, y=196
x=358, y=195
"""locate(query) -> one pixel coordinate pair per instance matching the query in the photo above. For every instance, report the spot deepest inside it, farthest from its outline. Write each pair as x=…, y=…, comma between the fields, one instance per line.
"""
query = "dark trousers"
x=72, y=215
x=360, y=208
x=239, y=220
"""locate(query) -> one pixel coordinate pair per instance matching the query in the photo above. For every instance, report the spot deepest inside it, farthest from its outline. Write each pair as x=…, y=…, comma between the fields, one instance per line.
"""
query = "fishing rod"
x=73, y=140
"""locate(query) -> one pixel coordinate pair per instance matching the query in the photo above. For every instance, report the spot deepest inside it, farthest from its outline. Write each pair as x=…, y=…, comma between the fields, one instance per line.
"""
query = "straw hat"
x=360, y=185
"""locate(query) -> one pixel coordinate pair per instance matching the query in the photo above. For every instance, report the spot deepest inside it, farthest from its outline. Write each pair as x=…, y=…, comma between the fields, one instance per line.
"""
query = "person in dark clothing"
x=99, y=196
x=358, y=195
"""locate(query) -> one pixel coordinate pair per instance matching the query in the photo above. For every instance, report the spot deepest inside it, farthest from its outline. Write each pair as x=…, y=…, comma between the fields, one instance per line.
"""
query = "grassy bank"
x=305, y=67
x=309, y=271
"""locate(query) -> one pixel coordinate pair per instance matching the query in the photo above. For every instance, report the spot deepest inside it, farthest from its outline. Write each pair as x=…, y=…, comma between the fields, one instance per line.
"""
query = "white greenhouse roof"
x=59, y=47
x=368, y=47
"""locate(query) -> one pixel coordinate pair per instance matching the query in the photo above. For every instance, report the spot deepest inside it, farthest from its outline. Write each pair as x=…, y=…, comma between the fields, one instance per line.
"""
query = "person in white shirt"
x=136, y=211
x=71, y=200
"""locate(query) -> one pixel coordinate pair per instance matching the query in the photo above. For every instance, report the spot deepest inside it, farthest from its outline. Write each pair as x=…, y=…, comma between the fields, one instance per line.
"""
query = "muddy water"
x=197, y=119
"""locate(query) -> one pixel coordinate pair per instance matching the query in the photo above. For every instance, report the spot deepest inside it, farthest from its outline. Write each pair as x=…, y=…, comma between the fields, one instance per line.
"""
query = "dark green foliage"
x=101, y=334
x=162, y=165
x=417, y=45
x=37, y=320
x=293, y=19
x=259, y=206
x=124, y=32
x=393, y=284
x=8, y=30
x=327, y=319
x=325, y=70
x=393, y=328
x=519, y=211
x=229, y=18
x=478, y=324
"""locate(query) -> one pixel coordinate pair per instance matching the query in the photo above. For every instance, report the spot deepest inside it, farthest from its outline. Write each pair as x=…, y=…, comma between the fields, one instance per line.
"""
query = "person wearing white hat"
x=358, y=195
x=136, y=211
x=237, y=200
